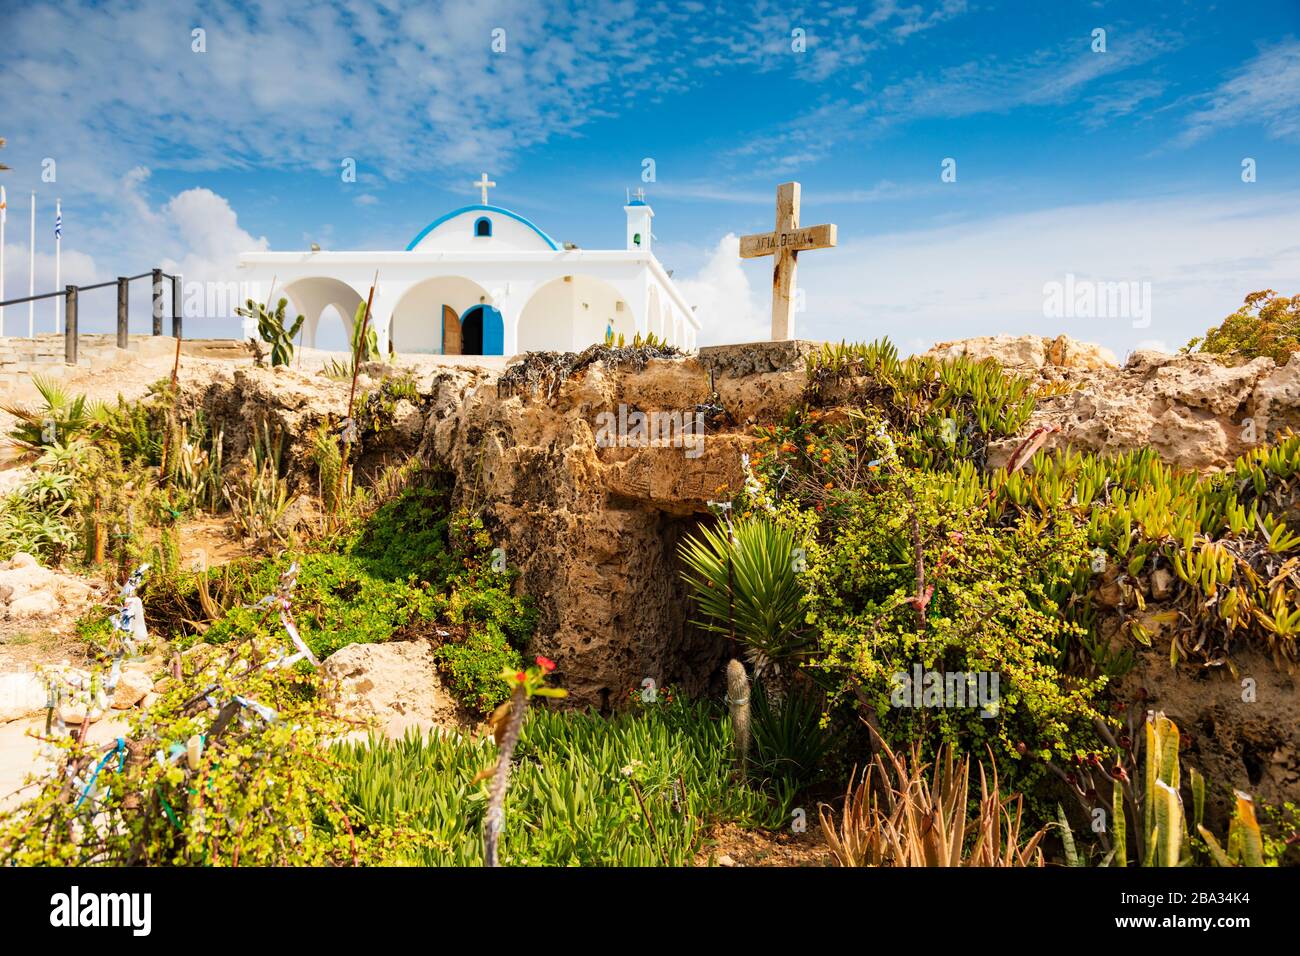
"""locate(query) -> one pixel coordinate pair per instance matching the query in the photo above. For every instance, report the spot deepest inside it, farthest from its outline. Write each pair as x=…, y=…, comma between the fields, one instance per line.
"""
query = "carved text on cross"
x=484, y=184
x=784, y=245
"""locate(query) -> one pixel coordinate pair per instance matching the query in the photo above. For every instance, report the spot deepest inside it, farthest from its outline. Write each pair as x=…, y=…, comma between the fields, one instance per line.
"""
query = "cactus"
x=738, y=704
x=270, y=327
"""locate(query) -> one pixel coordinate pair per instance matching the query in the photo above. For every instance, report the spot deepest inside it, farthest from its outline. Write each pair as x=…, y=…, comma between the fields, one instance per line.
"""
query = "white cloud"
x=1265, y=91
x=726, y=305
x=1200, y=254
x=206, y=229
x=195, y=233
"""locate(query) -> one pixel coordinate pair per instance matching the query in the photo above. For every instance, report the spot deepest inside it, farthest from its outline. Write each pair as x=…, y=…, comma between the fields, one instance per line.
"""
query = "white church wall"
x=596, y=305
x=547, y=319
x=654, y=314
x=413, y=286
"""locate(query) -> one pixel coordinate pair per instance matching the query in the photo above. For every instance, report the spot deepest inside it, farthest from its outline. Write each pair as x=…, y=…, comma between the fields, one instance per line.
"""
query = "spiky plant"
x=898, y=815
x=59, y=418
x=743, y=579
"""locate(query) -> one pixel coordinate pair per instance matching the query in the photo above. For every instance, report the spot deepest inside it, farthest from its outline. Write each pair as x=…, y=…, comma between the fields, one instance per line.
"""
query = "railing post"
x=177, y=287
x=70, y=325
x=157, y=302
x=123, y=292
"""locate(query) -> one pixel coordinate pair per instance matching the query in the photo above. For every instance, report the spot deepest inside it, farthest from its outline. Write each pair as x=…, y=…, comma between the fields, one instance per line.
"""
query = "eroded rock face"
x=1029, y=352
x=593, y=526
x=1195, y=412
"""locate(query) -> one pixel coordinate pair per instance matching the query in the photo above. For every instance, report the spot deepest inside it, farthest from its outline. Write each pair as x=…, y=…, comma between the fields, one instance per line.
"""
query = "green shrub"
x=407, y=537
x=1267, y=324
x=991, y=610
x=338, y=601
x=224, y=769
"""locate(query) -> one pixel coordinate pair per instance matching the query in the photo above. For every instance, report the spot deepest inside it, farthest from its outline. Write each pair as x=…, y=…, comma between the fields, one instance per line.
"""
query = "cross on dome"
x=484, y=184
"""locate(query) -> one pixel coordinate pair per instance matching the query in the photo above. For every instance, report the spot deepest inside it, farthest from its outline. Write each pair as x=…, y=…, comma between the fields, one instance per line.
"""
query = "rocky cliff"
x=593, y=526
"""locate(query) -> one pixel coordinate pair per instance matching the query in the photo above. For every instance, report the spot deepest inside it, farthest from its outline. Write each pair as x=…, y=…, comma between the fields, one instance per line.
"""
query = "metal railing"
x=72, y=293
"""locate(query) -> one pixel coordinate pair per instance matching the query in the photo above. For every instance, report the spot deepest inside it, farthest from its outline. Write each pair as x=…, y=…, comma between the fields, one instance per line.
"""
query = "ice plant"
x=507, y=722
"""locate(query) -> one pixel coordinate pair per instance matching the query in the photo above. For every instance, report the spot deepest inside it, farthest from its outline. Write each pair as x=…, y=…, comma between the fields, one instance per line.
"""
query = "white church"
x=484, y=280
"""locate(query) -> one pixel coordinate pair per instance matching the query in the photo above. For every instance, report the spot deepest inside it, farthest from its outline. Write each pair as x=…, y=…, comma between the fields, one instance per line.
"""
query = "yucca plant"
x=900, y=815
x=790, y=745
x=742, y=576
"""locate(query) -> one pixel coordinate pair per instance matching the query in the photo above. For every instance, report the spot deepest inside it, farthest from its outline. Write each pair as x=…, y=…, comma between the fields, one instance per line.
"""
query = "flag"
x=58, y=222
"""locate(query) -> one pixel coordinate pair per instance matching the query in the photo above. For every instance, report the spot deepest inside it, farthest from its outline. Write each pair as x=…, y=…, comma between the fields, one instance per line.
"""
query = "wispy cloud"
x=1264, y=92
x=994, y=84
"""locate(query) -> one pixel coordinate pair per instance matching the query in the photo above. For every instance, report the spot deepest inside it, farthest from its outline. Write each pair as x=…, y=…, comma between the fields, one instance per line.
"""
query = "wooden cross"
x=484, y=184
x=784, y=244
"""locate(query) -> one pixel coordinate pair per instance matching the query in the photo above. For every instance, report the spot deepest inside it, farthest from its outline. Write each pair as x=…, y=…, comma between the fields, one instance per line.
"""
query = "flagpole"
x=58, y=257
x=31, y=280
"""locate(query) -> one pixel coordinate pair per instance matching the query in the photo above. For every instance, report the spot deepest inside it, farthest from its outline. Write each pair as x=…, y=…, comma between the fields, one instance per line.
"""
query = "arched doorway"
x=482, y=332
x=430, y=315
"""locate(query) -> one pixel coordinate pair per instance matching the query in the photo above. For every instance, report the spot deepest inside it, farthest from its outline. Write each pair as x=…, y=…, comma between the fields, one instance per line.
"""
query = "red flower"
x=521, y=677
x=545, y=663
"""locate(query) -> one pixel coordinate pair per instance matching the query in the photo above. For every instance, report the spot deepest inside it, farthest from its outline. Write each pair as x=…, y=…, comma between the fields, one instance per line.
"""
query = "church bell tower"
x=639, y=216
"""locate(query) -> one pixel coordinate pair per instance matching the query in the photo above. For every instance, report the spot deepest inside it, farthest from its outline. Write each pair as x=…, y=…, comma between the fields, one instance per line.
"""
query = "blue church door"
x=482, y=331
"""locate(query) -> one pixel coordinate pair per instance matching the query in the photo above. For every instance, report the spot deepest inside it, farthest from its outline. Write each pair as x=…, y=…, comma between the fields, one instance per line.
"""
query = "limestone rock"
x=1029, y=351
x=394, y=685
x=132, y=686
x=593, y=528
x=29, y=592
x=21, y=694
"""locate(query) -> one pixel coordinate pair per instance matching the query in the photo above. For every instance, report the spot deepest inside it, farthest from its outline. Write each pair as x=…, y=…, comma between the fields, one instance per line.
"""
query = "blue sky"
x=1115, y=166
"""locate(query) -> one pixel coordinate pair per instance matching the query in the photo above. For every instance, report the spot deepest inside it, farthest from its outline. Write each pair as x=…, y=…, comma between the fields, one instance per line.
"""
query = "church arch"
x=428, y=318
x=573, y=312
x=321, y=298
